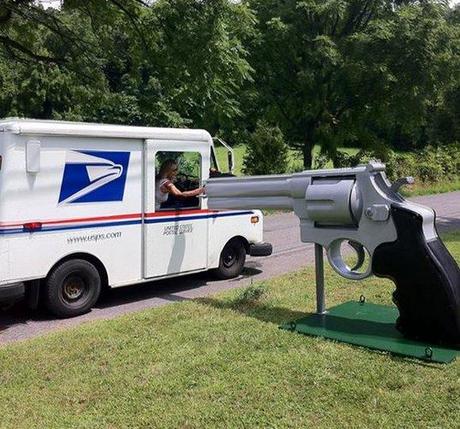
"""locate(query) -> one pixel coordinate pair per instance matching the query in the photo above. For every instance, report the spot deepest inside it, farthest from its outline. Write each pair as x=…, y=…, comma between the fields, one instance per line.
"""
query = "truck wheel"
x=72, y=288
x=232, y=260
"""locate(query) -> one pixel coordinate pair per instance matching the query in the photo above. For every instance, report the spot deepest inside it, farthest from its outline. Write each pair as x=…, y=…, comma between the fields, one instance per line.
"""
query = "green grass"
x=222, y=362
x=431, y=188
x=238, y=152
x=295, y=159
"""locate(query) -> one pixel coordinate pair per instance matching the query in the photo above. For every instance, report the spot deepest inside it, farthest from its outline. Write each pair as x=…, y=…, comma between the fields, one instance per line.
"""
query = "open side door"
x=175, y=235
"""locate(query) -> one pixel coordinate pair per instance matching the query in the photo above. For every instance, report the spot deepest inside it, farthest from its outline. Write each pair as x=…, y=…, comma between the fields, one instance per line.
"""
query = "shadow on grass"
x=372, y=335
x=453, y=237
x=282, y=316
x=257, y=310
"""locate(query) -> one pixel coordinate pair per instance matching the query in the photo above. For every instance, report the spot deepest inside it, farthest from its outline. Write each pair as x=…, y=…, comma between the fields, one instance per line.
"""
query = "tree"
x=172, y=63
x=443, y=123
x=267, y=153
x=200, y=58
x=333, y=72
x=19, y=20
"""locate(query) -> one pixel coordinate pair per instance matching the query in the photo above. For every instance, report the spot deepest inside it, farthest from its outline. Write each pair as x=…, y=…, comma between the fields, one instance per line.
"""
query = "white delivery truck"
x=77, y=212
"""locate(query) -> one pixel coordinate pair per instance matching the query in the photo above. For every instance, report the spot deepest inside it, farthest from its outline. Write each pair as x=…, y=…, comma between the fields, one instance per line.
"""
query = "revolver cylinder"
x=334, y=202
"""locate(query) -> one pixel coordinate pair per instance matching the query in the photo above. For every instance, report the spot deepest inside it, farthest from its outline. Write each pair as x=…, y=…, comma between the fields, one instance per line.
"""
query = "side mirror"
x=231, y=161
x=230, y=155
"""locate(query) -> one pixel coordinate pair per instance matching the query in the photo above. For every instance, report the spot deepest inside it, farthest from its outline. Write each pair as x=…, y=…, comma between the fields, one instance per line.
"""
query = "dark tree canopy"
x=349, y=72
x=326, y=72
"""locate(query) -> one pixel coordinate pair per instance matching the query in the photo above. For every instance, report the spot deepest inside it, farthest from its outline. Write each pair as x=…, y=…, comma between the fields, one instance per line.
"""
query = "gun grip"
x=427, y=281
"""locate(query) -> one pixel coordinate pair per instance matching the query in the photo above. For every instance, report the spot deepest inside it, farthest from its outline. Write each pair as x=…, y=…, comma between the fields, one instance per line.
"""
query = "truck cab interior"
x=188, y=177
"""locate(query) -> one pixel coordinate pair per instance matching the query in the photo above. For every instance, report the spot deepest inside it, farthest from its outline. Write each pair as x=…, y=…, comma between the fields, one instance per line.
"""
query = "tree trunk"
x=307, y=157
x=307, y=150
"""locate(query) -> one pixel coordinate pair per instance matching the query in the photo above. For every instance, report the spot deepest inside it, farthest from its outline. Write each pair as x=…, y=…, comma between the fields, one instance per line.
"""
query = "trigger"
x=359, y=248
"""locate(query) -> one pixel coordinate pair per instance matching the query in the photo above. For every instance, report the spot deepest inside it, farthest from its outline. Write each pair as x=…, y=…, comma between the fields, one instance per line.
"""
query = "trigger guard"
x=340, y=267
x=359, y=248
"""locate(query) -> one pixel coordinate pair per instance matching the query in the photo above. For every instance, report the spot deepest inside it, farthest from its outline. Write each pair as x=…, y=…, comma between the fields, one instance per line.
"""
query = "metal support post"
x=319, y=265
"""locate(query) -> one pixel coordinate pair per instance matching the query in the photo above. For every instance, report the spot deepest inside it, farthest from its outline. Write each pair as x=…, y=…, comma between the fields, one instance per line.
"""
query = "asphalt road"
x=282, y=230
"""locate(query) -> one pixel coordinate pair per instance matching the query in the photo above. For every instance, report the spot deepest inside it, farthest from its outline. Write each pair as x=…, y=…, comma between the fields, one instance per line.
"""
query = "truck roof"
x=86, y=129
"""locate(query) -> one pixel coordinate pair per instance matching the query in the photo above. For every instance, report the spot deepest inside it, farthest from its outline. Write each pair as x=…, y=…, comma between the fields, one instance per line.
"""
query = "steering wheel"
x=187, y=181
x=184, y=176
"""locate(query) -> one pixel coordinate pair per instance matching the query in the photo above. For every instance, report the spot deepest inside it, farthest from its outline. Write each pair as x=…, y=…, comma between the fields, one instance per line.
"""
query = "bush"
x=267, y=152
x=398, y=166
x=446, y=157
x=431, y=165
x=428, y=172
x=344, y=160
x=320, y=161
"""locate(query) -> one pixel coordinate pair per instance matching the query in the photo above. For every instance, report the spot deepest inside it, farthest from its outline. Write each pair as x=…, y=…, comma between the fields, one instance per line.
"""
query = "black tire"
x=231, y=260
x=72, y=288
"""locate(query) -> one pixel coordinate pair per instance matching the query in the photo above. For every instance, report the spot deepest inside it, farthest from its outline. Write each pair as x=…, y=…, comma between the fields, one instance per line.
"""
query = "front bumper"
x=12, y=292
x=260, y=249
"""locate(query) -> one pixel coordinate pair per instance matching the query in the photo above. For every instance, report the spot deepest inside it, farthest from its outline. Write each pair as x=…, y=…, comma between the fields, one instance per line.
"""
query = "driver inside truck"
x=164, y=184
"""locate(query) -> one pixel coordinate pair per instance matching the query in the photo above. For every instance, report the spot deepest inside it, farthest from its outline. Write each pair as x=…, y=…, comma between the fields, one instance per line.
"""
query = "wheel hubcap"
x=74, y=288
x=229, y=258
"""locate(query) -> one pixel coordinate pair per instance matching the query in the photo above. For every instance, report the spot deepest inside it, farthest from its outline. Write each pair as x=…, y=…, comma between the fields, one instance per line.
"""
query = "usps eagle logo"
x=94, y=176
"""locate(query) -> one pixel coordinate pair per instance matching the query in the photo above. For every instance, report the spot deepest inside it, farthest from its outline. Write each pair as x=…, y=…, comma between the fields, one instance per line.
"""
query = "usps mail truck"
x=77, y=212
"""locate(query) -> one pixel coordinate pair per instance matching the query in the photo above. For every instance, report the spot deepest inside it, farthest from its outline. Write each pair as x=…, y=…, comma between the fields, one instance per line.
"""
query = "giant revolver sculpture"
x=361, y=206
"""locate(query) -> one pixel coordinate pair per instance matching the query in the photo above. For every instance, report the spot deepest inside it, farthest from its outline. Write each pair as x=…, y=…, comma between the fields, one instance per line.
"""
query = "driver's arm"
x=171, y=189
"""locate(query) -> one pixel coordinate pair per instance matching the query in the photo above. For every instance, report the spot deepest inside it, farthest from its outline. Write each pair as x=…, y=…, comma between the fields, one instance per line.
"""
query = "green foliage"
x=201, y=57
x=266, y=153
x=338, y=73
x=321, y=161
x=173, y=63
x=444, y=122
x=329, y=73
x=400, y=165
x=435, y=164
x=430, y=165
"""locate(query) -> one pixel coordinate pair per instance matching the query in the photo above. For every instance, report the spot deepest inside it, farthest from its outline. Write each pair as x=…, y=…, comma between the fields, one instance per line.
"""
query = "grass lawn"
x=222, y=362
x=238, y=153
x=295, y=159
x=431, y=188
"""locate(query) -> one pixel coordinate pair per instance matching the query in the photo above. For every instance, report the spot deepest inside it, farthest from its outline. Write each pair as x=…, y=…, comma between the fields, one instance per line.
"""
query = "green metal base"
x=372, y=326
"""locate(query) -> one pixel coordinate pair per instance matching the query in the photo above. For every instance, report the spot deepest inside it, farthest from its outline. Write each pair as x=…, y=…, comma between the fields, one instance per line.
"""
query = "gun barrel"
x=275, y=185
x=324, y=200
x=265, y=192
